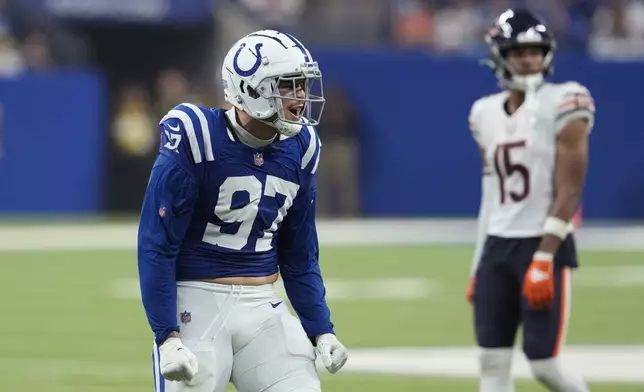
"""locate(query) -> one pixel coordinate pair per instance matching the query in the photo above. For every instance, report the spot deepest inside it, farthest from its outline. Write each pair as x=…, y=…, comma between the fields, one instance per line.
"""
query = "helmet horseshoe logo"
x=255, y=66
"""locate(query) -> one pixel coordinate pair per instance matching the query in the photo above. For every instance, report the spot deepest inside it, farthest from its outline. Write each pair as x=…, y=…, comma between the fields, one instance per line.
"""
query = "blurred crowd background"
x=154, y=54
x=37, y=35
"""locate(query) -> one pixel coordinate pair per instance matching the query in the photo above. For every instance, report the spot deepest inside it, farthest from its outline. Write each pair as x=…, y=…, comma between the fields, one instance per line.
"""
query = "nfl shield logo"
x=186, y=317
x=259, y=159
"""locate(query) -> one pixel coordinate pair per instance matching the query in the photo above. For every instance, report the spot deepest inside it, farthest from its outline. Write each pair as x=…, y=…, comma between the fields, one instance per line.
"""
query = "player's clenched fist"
x=333, y=353
x=538, y=285
x=177, y=362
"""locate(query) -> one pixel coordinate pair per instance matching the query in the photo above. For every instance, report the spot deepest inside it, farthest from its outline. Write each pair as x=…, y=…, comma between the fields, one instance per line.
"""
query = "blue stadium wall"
x=417, y=157
x=52, y=139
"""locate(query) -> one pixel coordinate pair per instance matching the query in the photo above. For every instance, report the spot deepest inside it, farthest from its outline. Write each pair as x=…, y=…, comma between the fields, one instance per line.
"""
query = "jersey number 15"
x=505, y=167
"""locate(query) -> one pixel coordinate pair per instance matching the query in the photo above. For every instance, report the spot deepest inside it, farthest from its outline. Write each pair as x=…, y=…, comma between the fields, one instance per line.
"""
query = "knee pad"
x=549, y=372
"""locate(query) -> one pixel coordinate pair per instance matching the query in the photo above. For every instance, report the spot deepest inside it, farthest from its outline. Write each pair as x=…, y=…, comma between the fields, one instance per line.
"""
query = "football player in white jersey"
x=533, y=137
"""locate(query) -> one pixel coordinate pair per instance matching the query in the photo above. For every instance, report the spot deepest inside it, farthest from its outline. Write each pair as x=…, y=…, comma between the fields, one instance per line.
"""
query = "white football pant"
x=243, y=334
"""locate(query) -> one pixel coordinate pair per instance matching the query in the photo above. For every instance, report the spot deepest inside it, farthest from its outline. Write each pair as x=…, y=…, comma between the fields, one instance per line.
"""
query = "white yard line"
x=614, y=276
x=595, y=363
x=337, y=233
x=618, y=364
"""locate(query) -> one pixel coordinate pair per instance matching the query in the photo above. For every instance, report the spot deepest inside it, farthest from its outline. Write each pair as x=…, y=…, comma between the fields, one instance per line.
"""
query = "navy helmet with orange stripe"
x=515, y=29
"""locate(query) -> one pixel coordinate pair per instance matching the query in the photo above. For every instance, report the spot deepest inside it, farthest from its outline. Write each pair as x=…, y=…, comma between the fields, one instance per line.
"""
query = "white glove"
x=333, y=353
x=177, y=362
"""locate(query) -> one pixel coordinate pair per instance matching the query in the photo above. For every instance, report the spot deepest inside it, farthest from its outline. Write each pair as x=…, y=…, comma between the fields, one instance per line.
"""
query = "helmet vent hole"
x=252, y=93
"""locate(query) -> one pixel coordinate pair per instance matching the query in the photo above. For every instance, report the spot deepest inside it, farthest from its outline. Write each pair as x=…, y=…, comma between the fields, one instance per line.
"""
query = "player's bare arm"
x=570, y=174
x=571, y=161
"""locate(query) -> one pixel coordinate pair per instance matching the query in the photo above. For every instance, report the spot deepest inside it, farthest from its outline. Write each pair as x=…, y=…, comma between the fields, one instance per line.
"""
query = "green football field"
x=72, y=321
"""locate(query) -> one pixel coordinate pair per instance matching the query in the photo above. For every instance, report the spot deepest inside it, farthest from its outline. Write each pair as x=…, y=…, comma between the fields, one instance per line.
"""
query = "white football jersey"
x=520, y=153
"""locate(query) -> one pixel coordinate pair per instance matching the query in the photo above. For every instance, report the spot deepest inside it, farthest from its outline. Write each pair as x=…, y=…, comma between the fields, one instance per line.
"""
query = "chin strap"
x=283, y=127
x=527, y=83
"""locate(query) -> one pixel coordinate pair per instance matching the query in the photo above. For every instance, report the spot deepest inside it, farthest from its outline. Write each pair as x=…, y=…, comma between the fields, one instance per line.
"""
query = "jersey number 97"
x=247, y=214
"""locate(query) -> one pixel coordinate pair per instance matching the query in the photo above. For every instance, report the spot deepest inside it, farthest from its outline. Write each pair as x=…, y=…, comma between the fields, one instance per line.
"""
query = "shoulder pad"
x=192, y=122
x=574, y=93
x=573, y=101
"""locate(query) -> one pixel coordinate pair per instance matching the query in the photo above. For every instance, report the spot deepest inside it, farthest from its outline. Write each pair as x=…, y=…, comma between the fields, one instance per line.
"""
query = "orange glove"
x=538, y=285
x=470, y=291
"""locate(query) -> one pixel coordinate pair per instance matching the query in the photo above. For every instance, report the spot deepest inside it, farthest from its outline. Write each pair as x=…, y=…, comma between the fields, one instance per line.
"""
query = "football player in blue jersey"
x=230, y=204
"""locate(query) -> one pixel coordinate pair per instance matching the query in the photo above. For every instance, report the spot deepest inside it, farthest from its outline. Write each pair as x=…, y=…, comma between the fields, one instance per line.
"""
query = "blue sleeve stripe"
x=313, y=146
x=189, y=128
x=205, y=130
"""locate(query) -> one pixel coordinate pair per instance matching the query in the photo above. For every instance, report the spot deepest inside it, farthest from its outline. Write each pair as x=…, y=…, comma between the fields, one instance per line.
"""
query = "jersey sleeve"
x=574, y=102
x=486, y=180
x=474, y=120
x=298, y=251
x=186, y=137
x=165, y=216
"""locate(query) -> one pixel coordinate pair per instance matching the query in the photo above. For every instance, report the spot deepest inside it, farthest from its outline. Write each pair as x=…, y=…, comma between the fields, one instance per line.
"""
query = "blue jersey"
x=215, y=207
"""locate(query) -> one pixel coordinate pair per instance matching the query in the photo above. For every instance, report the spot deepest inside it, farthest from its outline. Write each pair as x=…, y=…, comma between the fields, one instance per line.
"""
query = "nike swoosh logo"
x=276, y=304
x=175, y=129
